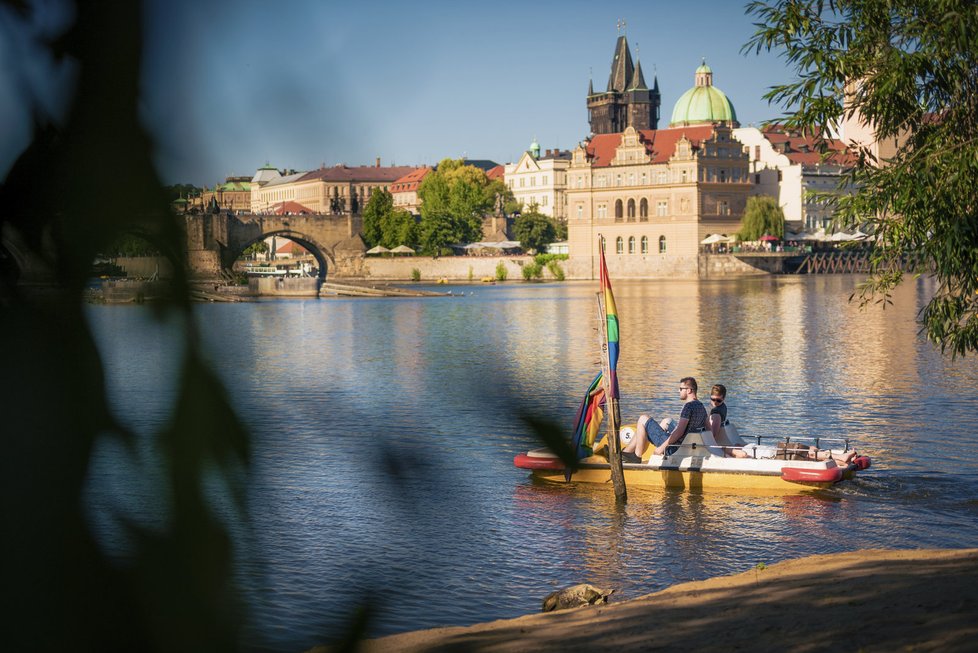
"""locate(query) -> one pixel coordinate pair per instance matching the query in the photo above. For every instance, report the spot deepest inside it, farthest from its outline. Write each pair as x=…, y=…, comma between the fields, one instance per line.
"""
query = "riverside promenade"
x=870, y=600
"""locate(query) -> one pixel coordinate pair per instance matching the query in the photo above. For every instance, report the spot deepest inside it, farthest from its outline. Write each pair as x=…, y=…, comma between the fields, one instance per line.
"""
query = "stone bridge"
x=215, y=241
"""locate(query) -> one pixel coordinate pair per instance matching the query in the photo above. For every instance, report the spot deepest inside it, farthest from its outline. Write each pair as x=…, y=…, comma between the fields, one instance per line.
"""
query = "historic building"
x=540, y=180
x=233, y=195
x=628, y=101
x=405, y=190
x=339, y=189
x=654, y=194
x=791, y=166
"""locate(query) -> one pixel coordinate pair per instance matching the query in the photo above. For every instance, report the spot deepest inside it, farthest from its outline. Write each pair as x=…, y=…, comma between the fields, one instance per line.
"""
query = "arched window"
x=643, y=210
x=631, y=210
x=619, y=246
x=631, y=244
x=618, y=212
x=662, y=244
x=645, y=244
x=601, y=243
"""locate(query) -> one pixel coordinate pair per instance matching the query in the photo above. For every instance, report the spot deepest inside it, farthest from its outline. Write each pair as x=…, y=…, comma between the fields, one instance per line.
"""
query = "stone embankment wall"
x=287, y=287
x=453, y=268
x=619, y=267
x=144, y=267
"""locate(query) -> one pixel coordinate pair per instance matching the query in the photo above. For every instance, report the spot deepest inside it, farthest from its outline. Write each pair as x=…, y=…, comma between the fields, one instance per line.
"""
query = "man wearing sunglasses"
x=666, y=440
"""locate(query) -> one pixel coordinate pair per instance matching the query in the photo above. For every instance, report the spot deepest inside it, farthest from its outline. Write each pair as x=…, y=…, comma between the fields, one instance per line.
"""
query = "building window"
x=617, y=180
x=757, y=152
x=601, y=242
x=580, y=211
x=522, y=182
x=644, y=178
x=619, y=246
x=544, y=200
x=631, y=178
x=619, y=213
x=602, y=210
x=533, y=181
x=631, y=244
x=663, y=177
x=645, y=244
x=723, y=207
x=683, y=175
x=631, y=210
x=662, y=208
x=723, y=176
x=643, y=210
x=662, y=244
x=757, y=179
x=544, y=180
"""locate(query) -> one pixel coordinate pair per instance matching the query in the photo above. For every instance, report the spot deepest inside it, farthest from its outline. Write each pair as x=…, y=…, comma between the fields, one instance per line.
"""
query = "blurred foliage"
x=181, y=191
x=174, y=590
x=910, y=70
x=130, y=245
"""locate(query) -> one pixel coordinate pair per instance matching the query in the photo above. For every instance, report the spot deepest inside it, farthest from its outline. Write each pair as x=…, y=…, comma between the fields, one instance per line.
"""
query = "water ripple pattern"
x=384, y=432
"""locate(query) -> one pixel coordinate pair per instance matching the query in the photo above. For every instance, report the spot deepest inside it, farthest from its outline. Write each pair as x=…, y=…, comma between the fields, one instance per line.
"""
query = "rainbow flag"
x=589, y=417
x=612, y=313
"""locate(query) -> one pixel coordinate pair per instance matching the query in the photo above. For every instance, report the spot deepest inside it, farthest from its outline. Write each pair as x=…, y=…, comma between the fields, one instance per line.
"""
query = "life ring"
x=526, y=461
x=804, y=475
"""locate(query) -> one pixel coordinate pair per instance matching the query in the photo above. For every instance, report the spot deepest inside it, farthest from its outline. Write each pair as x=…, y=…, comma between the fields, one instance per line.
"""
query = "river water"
x=452, y=534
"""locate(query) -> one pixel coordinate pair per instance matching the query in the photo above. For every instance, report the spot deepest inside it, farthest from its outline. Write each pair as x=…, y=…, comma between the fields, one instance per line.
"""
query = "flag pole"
x=611, y=398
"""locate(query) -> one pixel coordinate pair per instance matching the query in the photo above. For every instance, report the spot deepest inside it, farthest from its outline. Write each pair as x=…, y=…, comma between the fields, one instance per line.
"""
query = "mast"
x=608, y=380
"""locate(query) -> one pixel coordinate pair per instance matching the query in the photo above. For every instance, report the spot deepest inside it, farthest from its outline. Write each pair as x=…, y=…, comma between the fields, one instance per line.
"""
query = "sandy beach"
x=870, y=600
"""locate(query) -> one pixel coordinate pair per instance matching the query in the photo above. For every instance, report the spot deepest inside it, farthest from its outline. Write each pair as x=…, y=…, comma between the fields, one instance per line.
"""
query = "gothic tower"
x=628, y=101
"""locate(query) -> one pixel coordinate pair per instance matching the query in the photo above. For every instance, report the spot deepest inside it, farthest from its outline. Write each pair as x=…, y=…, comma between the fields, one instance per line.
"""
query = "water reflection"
x=385, y=431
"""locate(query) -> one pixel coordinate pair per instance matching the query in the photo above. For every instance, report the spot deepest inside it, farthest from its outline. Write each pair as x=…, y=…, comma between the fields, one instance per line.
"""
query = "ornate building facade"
x=653, y=195
x=540, y=180
x=628, y=101
x=340, y=189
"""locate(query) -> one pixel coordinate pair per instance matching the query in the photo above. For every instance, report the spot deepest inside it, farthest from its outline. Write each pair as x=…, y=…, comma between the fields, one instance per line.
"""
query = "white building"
x=540, y=180
x=789, y=166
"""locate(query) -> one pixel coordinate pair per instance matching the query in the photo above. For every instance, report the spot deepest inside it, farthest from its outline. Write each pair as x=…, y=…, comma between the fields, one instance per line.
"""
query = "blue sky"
x=230, y=85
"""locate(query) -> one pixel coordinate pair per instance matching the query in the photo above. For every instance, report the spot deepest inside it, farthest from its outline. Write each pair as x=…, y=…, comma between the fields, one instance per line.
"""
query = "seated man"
x=692, y=418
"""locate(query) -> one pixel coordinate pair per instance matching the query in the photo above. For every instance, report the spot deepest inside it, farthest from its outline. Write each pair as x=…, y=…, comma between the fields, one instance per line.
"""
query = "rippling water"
x=456, y=535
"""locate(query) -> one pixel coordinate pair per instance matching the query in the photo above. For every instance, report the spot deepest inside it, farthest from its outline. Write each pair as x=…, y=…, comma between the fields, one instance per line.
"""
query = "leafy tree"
x=534, y=230
x=255, y=248
x=761, y=216
x=454, y=199
x=910, y=70
x=131, y=245
x=178, y=191
x=378, y=207
x=398, y=228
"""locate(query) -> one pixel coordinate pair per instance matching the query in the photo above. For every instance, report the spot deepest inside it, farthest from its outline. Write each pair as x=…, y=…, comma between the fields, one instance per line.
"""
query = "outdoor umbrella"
x=402, y=249
x=715, y=238
x=768, y=238
x=379, y=249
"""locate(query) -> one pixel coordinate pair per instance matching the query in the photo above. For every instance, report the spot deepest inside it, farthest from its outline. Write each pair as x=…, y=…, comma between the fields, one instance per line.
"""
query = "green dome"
x=704, y=103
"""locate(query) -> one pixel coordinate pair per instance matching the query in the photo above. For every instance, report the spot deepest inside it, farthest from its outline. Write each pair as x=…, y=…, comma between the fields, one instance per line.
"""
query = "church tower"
x=628, y=101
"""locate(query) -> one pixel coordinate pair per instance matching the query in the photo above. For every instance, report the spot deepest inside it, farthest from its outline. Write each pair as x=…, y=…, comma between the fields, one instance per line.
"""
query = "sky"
x=230, y=85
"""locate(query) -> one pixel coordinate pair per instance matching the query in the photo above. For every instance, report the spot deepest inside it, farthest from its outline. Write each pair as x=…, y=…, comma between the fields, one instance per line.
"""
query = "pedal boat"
x=699, y=464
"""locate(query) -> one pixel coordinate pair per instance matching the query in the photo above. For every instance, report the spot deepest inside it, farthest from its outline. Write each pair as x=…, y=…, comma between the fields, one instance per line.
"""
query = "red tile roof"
x=410, y=181
x=289, y=208
x=355, y=174
x=659, y=143
x=290, y=247
x=496, y=173
x=807, y=148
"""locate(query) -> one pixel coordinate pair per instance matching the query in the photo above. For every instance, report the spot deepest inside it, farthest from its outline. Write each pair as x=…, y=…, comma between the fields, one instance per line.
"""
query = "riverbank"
x=870, y=600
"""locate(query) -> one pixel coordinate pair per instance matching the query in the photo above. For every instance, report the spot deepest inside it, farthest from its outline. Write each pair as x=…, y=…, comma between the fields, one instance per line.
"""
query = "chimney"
x=378, y=161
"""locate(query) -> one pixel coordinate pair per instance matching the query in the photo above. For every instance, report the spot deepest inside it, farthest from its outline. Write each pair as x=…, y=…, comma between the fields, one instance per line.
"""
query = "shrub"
x=556, y=270
x=532, y=271
x=415, y=274
x=501, y=272
x=471, y=273
x=544, y=259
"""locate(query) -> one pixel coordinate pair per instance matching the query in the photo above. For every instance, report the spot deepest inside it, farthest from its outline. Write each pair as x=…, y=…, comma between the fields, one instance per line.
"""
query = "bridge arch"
x=324, y=259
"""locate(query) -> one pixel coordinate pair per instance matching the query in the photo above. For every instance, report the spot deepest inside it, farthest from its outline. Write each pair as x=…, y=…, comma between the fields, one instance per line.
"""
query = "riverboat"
x=699, y=463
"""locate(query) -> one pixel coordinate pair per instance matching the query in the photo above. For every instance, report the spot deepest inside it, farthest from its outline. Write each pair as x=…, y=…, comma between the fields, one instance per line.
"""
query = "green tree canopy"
x=454, y=199
x=399, y=228
x=762, y=216
x=378, y=207
x=534, y=230
x=910, y=70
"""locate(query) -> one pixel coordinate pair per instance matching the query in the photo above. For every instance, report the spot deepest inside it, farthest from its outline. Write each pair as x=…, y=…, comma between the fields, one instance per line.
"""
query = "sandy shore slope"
x=873, y=600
